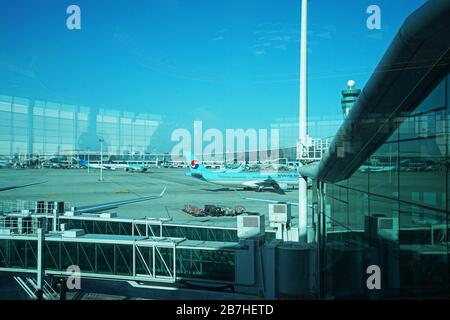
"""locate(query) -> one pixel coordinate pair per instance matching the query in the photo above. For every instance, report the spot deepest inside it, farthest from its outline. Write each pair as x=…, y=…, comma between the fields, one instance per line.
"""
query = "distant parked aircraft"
x=114, y=166
x=377, y=168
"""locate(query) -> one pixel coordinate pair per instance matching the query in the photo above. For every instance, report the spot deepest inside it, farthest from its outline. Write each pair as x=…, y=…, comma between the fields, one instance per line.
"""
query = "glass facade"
x=318, y=127
x=394, y=211
x=34, y=127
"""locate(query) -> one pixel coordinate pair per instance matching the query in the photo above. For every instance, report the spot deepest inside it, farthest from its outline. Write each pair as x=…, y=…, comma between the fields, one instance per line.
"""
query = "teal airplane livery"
x=257, y=181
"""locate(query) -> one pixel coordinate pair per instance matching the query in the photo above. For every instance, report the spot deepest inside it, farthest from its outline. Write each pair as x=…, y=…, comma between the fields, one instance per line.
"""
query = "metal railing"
x=30, y=287
x=30, y=207
x=21, y=226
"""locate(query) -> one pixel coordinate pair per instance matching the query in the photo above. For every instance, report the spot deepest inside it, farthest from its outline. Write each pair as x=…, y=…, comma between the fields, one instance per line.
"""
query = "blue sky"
x=231, y=63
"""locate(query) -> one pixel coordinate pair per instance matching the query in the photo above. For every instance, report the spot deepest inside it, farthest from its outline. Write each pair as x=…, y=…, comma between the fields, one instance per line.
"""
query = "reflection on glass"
x=33, y=127
x=383, y=170
x=360, y=179
x=435, y=100
x=399, y=202
x=423, y=250
x=358, y=207
x=422, y=172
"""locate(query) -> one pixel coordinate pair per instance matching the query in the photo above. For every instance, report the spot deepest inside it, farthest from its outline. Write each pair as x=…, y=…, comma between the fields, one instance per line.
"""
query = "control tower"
x=349, y=97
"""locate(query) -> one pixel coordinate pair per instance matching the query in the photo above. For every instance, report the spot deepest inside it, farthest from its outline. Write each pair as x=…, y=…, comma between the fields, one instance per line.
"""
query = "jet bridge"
x=147, y=252
x=126, y=250
x=121, y=257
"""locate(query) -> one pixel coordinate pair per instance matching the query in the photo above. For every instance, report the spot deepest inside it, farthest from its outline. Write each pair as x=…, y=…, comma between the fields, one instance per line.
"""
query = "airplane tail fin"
x=195, y=166
x=242, y=166
x=83, y=162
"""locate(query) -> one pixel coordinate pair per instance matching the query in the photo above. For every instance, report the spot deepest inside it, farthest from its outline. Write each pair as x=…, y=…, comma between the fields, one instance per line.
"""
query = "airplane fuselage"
x=255, y=180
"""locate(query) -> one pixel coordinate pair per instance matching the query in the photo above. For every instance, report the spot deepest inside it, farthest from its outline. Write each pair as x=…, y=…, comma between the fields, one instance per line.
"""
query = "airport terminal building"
x=378, y=202
x=42, y=128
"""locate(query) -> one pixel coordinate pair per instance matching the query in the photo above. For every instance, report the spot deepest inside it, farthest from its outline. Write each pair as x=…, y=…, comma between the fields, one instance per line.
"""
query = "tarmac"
x=78, y=187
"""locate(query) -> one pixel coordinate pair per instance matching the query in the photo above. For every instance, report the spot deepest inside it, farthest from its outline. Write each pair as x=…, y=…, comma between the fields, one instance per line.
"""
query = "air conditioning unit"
x=250, y=226
x=5, y=231
x=279, y=213
x=73, y=233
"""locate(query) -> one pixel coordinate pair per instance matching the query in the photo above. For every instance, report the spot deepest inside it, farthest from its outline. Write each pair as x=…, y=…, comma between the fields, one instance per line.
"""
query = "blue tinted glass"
x=435, y=100
x=422, y=171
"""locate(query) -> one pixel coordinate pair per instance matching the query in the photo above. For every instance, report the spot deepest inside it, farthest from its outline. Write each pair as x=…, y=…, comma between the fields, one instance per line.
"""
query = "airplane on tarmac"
x=377, y=168
x=257, y=181
x=139, y=167
x=85, y=164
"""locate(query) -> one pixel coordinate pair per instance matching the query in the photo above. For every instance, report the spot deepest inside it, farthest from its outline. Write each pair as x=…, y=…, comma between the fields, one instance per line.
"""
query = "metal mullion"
x=106, y=260
x=87, y=258
x=143, y=261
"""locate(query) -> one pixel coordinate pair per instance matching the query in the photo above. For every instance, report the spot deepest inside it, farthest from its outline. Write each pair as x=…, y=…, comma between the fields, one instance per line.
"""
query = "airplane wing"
x=267, y=183
x=112, y=205
x=20, y=186
x=253, y=184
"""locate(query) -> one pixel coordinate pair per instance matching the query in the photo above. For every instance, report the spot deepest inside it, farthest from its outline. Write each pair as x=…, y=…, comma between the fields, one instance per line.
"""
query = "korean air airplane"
x=86, y=164
x=257, y=181
x=108, y=166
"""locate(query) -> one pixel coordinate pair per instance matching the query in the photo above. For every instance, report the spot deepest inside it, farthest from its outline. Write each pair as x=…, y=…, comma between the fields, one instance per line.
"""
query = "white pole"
x=40, y=262
x=101, y=160
x=302, y=184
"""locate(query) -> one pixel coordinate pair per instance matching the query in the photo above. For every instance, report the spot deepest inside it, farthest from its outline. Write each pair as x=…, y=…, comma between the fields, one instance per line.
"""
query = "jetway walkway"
x=144, y=251
x=121, y=257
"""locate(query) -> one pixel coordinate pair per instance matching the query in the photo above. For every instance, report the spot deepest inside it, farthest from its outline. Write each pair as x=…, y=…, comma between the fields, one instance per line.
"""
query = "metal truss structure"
x=137, y=250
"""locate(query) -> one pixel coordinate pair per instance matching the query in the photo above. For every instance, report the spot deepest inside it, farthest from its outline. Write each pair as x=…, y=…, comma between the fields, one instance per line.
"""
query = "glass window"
x=423, y=251
x=337, y=209
x=395, y=135
x=422, y=172
x=358, y=208
x=383, y=168
x=337, y=216
x=448, y=92
x=435, y=100
x=384, y=219
x=416, y=124
x=360, y=179
x=423, y=125
x=330, y=190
